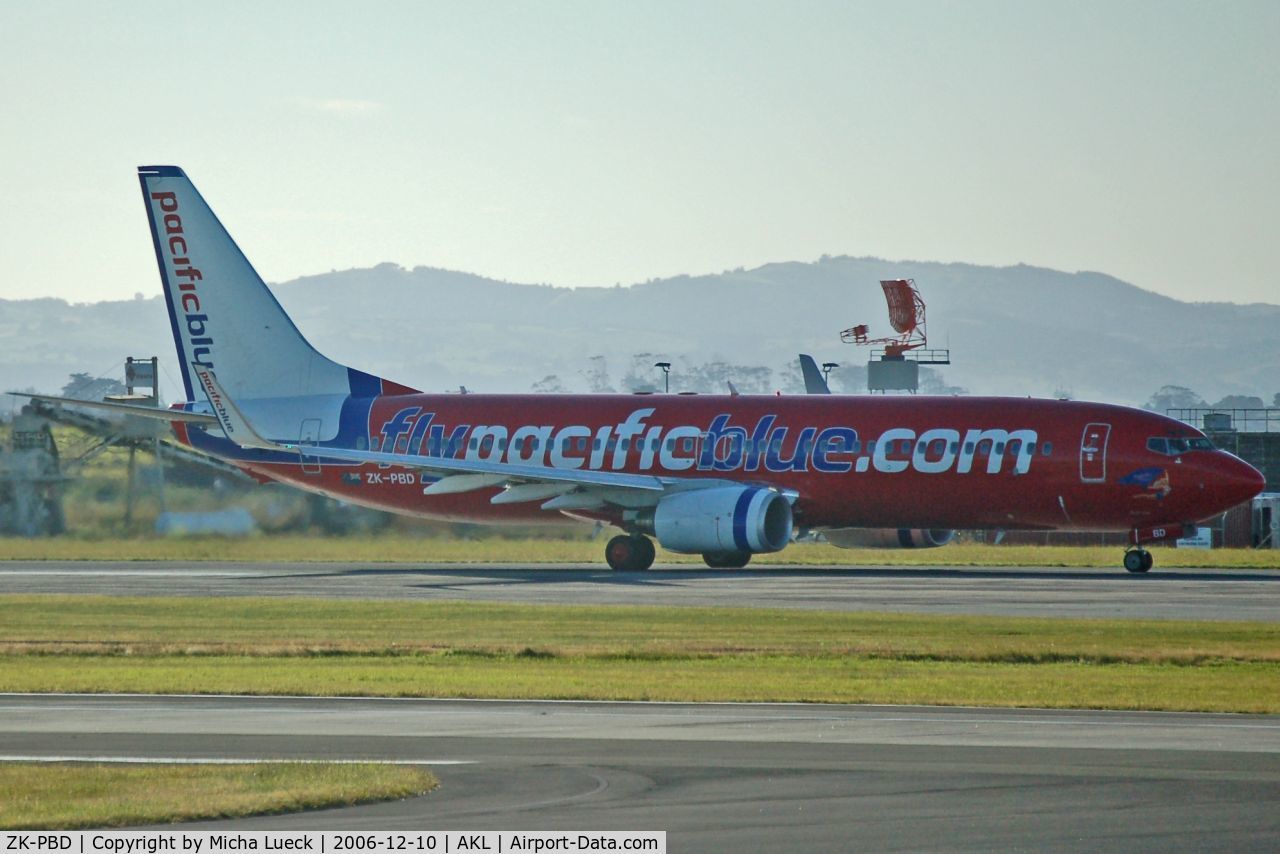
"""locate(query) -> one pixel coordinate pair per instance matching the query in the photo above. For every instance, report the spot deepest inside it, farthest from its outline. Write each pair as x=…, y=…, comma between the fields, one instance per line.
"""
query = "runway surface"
x=721, y=777
x=1026, y=591
x=731, y=777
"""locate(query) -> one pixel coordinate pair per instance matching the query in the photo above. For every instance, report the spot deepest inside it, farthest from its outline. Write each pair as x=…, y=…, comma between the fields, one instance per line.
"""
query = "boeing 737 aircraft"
x=726, y=477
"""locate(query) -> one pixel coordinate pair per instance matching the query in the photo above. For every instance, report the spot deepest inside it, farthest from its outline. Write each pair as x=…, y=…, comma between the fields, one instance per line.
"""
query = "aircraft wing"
x=561, y=489
x=508, y=471
x=170, y=415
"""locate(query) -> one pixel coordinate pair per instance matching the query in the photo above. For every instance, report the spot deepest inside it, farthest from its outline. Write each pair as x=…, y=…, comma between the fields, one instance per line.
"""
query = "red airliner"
x=726, y=477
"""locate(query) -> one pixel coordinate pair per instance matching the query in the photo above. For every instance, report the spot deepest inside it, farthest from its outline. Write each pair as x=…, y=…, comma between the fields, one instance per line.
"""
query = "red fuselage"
x=864, y=461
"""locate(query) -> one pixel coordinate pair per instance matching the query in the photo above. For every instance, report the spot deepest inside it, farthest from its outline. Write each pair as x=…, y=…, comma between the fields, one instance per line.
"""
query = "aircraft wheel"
x=1137, y=560
x=646, y=553
x=626, y=553
x=726, y=560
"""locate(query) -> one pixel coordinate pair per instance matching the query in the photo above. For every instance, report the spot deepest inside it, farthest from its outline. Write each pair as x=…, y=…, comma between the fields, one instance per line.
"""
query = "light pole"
x=826, y=372
x=666, y=375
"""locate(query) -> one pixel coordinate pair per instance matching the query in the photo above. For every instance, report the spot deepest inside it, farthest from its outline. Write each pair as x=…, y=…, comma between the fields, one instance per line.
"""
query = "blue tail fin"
x=223, y=315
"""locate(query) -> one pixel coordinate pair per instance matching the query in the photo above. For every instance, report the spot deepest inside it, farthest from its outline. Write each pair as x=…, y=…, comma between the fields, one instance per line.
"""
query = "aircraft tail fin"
x=223, y=315
x=814, y=382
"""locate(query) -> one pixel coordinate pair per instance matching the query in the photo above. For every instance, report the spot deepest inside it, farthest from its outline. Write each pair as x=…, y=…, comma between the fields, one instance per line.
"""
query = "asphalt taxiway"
x=728, y=777
x=1022, y=591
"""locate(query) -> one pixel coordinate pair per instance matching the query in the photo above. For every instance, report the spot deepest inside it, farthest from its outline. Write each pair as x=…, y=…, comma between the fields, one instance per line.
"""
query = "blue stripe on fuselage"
x=362, y=384
x=353, y=422
x=740, y=519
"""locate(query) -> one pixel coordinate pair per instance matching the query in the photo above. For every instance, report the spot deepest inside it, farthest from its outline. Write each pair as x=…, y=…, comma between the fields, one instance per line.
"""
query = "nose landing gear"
x=1137, y=560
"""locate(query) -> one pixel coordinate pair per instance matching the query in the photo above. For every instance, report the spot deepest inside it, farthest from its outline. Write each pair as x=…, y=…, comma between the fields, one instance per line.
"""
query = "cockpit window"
x=1171, y=447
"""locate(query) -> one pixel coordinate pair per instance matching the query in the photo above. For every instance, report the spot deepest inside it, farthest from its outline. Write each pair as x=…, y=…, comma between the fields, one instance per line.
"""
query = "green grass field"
x=72, y=796
x=1220, y=687
x=393, y=548
x=456, y=649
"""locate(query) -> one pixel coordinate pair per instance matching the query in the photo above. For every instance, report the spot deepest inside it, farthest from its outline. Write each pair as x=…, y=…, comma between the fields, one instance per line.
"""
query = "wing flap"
x=519, y=493
x=455, y=483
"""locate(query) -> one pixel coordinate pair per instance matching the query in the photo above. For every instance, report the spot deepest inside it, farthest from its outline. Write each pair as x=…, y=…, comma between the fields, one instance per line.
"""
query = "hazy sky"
x=600, y=142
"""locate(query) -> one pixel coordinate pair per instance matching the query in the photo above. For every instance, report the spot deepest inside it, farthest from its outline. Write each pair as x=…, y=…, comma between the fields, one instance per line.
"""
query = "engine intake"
x=723, y=519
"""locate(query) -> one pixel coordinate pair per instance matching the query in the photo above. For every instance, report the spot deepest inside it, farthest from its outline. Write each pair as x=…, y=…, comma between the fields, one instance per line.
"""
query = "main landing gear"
x=635, y=553
x=1137, y=560
x=629, y=553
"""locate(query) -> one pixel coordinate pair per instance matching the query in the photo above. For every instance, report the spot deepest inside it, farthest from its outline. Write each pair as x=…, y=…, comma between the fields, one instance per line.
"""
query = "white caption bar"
x=329, y=841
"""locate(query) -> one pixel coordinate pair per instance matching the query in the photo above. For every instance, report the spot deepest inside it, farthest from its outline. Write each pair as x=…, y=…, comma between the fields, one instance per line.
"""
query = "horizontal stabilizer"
x=170, y=415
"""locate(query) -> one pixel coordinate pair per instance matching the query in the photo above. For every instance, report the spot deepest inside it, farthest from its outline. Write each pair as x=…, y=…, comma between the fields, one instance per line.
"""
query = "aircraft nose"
x=1238, y=481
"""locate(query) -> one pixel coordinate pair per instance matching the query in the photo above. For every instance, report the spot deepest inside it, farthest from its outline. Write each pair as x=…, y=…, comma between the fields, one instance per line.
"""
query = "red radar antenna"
x=896, y=365
x=906, y=316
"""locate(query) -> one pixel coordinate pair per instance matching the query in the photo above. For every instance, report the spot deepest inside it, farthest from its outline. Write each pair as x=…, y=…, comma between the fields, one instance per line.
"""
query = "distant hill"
x=1012, y=330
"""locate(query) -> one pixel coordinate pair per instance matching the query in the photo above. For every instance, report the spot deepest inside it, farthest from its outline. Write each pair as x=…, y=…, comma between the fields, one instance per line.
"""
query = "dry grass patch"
x=141, y=626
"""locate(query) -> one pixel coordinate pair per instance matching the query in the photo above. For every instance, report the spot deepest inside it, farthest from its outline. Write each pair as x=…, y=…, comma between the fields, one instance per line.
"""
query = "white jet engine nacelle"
x=723, y=519
x=888, y=538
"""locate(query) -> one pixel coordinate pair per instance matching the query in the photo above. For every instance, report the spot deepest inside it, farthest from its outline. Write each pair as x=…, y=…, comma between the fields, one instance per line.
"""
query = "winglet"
x=230, y=418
